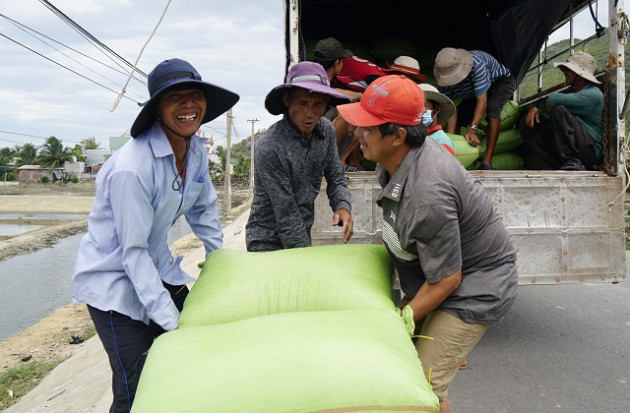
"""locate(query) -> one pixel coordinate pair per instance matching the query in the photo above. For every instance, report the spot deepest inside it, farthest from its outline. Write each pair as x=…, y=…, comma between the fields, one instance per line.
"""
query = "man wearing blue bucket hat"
x=291, y=158
x=124, y=272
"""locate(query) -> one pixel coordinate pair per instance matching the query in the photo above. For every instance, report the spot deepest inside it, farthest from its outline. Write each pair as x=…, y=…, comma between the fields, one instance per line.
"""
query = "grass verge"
x=18, y=381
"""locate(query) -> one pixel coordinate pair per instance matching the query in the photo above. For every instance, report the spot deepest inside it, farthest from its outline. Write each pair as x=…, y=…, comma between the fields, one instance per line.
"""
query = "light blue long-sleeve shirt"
x=124, y=257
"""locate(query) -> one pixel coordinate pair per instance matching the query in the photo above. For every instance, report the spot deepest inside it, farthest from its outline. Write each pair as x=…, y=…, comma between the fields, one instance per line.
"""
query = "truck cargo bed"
x=567, y=227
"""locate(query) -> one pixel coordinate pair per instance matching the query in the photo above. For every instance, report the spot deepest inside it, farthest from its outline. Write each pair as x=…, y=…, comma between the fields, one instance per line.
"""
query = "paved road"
x=562, y=348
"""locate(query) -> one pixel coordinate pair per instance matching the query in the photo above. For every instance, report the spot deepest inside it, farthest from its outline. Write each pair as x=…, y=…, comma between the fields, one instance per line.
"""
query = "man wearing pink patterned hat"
x=456, y=264
x=291, y=159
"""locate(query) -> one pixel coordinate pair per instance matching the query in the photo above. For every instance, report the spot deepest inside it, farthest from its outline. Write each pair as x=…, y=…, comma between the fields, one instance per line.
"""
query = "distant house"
x=32, y=173
x=96, y=156
x=74, y=168
x=35, y=173
x=116, y=142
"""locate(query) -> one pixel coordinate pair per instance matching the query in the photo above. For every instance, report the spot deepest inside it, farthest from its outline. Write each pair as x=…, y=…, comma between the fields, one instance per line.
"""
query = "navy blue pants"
x=127, y=343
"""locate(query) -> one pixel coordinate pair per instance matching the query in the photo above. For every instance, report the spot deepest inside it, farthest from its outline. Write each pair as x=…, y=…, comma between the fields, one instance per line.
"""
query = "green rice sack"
x=507, y=141
x=234, y=285
x=507, y=162
x=509, y=114
x=334, y=361
x=464, y=152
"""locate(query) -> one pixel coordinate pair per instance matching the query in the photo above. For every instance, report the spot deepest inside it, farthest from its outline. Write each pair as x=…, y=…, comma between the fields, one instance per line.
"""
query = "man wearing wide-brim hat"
x=570, y=138
x=406, y=66
x=290, y=160
x=439, y=108
x=124, y=272
x=483, y=84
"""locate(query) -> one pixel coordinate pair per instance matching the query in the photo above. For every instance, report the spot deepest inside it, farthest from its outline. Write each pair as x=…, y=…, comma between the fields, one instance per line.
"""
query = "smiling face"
x=180, y=112
x=305, y=109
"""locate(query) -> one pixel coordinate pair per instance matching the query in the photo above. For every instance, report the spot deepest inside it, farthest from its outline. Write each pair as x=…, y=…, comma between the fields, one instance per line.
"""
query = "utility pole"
x=251, y=159
x=227, y=209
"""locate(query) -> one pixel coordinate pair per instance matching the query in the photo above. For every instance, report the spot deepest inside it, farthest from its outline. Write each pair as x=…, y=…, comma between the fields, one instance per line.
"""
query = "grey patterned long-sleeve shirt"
x=287, y=178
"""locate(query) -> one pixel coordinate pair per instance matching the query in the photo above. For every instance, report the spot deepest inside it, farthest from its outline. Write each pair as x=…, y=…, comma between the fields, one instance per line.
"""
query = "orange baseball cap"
x=393, y=98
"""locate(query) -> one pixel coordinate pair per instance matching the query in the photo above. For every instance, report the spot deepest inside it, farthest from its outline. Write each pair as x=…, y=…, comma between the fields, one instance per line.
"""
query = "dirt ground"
x=47, y=340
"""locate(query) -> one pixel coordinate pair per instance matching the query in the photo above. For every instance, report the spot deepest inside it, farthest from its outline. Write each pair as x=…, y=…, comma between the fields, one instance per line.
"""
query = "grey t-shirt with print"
x=437, y=219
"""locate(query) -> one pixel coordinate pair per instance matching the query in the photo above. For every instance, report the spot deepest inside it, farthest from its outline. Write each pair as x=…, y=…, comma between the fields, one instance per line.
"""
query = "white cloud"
x=237, y=45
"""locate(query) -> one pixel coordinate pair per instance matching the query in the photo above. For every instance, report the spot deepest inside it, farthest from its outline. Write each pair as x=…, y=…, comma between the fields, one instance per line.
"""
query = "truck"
x=566, y=226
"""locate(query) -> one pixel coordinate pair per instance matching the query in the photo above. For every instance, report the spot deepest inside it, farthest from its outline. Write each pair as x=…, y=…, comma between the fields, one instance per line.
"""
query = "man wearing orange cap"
x=456, y=264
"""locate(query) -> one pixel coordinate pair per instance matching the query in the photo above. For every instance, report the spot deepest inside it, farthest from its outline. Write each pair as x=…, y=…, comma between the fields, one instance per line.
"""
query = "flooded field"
x=15, y=224
x=33, y=285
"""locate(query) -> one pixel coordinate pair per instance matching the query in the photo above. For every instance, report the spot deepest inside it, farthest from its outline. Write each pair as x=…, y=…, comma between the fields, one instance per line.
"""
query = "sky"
x=238, y=45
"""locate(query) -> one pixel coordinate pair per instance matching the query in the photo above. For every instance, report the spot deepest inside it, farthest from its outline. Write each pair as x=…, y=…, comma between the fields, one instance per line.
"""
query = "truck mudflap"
x=566, y=227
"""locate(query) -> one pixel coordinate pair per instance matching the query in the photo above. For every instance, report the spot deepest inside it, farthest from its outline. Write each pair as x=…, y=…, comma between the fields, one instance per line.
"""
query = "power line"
x=74, y=25
x=9, y=140
x=69, y=57
x=30, y=136
x=28, y=29
x=67, y=68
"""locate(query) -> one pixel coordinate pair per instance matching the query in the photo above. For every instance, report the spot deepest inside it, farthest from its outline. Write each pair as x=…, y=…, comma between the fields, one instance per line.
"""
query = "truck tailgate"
x=566, y=227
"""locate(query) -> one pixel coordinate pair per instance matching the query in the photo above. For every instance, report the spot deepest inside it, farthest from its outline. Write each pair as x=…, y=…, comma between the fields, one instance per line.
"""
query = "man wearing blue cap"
x=124, y=272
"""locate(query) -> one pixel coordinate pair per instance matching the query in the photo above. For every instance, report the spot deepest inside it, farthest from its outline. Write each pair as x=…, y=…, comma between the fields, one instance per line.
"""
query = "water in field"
x=35, y=284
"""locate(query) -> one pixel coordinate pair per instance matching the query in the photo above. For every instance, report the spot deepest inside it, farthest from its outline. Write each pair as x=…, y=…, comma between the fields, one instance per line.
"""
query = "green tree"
x=4, y=166
x=221, y=154
x=53, y=154
x=27, y=154
x=215, y=170
x=77, y=151
x=241, y=170
x=7, y=152
x=90, y=143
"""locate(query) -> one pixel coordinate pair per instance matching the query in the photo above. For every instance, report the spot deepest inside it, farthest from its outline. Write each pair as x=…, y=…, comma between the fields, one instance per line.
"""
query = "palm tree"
x=90, y=143
x=7, y=152
x=241, y=170
x=27, y=154
x=215, y=170
x=77, y=151
x=53, y=154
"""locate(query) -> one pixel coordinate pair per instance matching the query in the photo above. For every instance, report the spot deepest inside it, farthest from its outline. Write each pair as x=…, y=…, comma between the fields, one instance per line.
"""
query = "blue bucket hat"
x=180, y=73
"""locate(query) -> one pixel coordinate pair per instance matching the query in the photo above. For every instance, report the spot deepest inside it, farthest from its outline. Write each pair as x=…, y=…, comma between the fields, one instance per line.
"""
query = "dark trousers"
x=127, y=343
x=499, y=93
x=560, y=140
